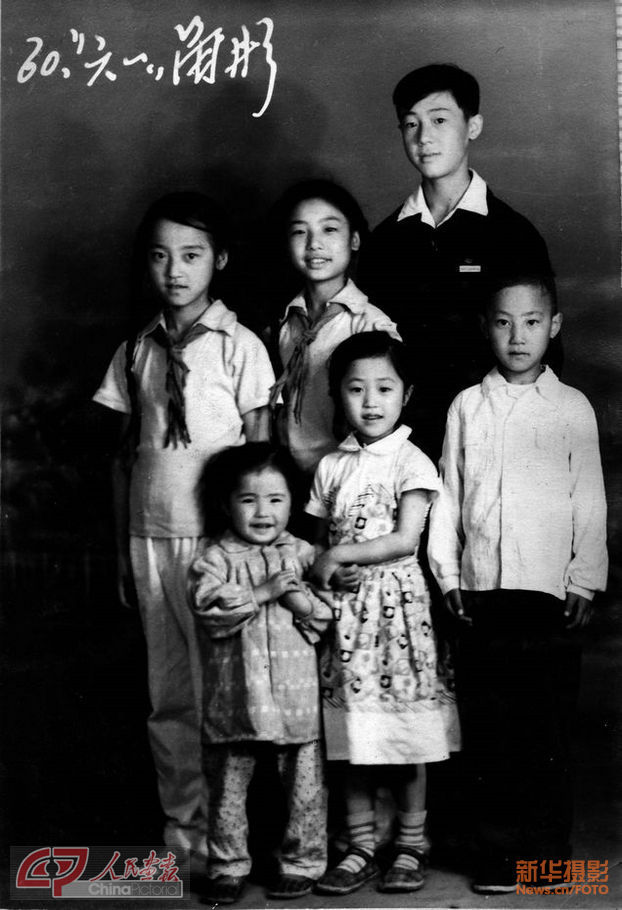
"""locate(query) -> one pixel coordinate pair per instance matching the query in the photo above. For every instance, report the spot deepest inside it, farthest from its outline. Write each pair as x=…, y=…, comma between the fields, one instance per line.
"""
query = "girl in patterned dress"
x=387, y=707
x=259, y=621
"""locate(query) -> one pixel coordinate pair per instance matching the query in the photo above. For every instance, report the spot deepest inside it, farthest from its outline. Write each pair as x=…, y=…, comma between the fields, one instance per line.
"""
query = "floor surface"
x=77, y=768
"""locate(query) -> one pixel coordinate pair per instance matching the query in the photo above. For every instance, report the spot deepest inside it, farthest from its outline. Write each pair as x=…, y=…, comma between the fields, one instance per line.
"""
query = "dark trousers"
x=517, y=675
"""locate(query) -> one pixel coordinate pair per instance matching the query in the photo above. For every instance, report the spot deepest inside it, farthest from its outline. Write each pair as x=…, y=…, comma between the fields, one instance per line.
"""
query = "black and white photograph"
x=311, y=488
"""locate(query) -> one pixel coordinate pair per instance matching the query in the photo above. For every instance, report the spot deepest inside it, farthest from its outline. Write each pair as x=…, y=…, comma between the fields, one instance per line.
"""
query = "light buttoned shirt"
x=472, y=200
x=229, y=376
x=312, y=437
x=523, y=503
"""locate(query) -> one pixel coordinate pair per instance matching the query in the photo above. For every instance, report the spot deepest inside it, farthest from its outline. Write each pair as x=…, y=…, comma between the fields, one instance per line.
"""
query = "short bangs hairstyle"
x=223, y=472
x=328, y=191
x=192, y=209
x=437, y=77
x=361, y=347
x=542, y=281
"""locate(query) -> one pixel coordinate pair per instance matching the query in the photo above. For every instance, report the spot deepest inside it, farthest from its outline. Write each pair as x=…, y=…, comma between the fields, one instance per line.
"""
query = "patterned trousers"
x=228, y=771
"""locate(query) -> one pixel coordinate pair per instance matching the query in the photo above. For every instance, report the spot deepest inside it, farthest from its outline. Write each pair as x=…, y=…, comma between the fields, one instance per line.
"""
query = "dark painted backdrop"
x=80, y=163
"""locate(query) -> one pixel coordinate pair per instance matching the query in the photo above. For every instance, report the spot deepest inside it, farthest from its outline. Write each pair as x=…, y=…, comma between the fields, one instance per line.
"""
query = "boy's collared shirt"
x=432, y=280
x=472, y=200
x=311, y=437
x=229, y=375
x=523, y=501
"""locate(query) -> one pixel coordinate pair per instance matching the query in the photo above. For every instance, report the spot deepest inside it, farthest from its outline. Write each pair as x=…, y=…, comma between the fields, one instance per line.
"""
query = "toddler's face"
x=320, y=240
x=519, y=325
x=373, y=396
x=182, y=263
x=259, y=508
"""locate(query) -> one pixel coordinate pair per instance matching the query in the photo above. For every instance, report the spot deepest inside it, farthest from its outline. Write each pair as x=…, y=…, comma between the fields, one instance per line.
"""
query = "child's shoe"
x=342, y=881
x=291, y=886
x=224, y=889
x=495, y=878
x=403, y=877
x=493, y=887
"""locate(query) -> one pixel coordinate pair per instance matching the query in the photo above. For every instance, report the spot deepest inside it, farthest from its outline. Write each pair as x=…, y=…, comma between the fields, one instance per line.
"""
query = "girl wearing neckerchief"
x=325, y=228
x=189, y=384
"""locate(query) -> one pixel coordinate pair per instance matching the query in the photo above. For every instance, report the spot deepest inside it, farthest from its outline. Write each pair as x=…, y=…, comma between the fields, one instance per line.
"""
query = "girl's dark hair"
x=223, y=471
x=361, y=346
x=330, y=192
x=192, y=209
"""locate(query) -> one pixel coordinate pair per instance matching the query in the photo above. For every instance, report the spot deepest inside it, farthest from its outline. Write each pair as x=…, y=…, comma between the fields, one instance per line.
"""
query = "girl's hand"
x=324, y=568
x=274, y=587
x=126, y=589
x=346, y=578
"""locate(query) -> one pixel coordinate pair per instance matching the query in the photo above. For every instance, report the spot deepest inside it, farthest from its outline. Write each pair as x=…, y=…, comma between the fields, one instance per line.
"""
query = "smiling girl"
x=325, y=228
x=387, y=709
x=260, y=620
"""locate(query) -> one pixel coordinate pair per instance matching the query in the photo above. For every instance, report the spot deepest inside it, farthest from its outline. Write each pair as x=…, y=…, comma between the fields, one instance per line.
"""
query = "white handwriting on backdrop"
x=202, y=58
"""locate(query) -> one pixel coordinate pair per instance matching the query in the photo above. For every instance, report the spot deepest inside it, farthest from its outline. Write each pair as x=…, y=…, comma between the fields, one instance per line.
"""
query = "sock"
x=360, y=834
x=410, y=834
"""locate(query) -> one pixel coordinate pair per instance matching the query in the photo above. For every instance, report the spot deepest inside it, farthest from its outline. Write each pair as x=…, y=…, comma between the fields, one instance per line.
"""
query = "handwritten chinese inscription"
x=201, y=57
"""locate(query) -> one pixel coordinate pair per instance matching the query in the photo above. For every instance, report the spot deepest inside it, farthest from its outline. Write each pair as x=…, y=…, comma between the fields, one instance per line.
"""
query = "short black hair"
x=333, y=193
x=363, y=345
x=222, y=473
x=543, y=281
x=437, y=77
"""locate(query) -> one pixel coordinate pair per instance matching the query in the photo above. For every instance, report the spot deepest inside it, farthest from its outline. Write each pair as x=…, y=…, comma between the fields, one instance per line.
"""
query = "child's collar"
x=387, y=444
x=547, y=384
x=216, y=317
x=231, y=543
x=349, y=297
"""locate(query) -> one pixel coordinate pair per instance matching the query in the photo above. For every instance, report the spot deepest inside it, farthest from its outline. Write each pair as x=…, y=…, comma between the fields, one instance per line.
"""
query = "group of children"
x=321, y=646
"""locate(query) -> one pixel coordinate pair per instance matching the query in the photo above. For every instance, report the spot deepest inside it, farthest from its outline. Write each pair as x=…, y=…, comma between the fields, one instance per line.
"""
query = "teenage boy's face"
x=519, y=325
x=182, y=263
x=436, y=136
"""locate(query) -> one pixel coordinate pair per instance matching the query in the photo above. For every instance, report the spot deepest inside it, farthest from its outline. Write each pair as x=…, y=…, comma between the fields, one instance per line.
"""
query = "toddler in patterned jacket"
x=259, y=621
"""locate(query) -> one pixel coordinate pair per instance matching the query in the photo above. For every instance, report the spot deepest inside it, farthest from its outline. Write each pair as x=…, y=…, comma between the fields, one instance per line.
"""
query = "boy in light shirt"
x=518, y=547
